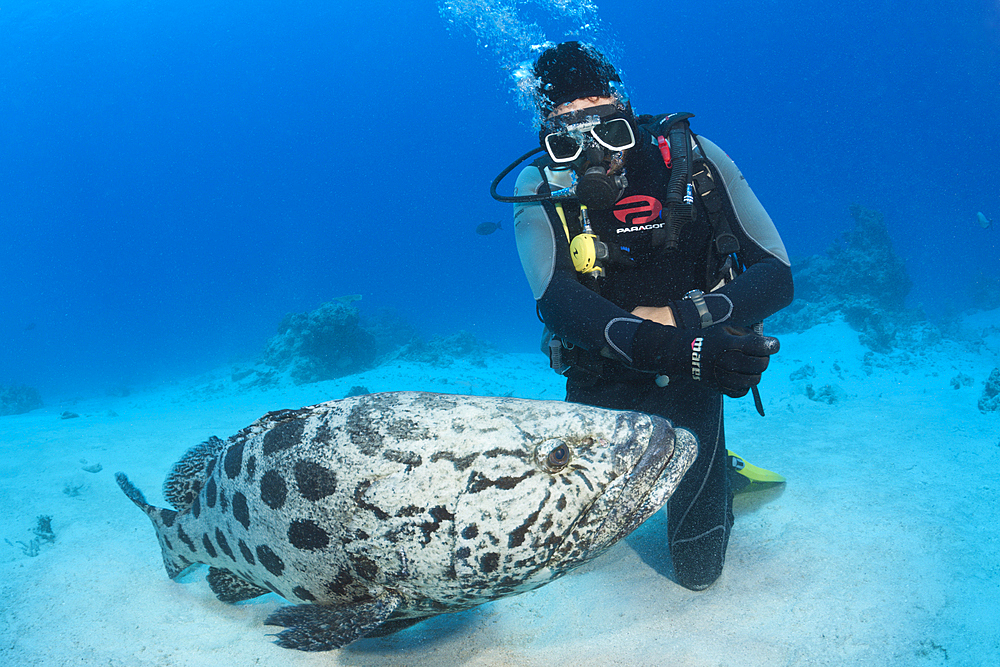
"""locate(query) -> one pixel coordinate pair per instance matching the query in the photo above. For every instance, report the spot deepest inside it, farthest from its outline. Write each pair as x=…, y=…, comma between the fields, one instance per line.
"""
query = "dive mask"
x=567, y=135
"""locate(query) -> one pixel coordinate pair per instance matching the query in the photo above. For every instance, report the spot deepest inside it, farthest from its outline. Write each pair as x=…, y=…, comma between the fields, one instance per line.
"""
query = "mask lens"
x=615, y=134
x=562, y=148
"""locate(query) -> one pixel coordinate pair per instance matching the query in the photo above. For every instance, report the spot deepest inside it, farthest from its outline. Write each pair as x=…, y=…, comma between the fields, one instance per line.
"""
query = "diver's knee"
x=698, y=563
x=698, y=580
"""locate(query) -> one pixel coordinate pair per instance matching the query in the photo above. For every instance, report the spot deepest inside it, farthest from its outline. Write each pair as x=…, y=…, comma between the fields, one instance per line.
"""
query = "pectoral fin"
x=313, y=627
x=230, y=588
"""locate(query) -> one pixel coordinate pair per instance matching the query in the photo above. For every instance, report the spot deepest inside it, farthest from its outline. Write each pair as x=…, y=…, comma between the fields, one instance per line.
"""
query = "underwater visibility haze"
x=176, y=177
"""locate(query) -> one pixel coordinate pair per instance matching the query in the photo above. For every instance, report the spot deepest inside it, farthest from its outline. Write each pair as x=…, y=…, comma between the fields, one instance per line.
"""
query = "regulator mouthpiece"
x=597, y=190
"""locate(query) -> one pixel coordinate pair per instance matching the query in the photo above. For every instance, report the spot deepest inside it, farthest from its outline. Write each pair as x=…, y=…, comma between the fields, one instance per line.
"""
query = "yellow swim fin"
x=746, y=477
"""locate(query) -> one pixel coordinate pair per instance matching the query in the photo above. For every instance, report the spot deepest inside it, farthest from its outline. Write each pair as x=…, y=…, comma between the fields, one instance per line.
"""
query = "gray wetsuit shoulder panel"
x=535, y=235
x=750, y=214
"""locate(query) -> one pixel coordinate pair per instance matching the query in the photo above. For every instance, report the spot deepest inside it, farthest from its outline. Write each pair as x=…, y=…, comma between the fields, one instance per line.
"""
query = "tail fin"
x=163, y=521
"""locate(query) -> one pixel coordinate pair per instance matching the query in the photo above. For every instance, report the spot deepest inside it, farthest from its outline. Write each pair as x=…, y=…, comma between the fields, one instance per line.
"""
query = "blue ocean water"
x=175, y=177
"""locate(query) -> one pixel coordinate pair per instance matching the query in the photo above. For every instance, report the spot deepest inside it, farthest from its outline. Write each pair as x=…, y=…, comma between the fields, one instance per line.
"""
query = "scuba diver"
x=652, y=264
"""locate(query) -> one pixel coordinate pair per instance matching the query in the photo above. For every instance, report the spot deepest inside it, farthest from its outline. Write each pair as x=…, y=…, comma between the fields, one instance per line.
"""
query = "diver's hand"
x=662, y=315
x=727, y=358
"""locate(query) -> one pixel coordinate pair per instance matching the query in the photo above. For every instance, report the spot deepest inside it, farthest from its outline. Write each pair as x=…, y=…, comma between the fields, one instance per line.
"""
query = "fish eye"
x=554, y=455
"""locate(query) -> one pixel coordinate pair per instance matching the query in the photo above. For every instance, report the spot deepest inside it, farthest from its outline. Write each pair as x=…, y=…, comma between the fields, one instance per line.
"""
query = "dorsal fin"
x=185, y=479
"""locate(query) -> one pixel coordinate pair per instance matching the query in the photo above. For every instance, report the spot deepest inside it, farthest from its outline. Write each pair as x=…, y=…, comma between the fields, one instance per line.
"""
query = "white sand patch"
x=883, y=549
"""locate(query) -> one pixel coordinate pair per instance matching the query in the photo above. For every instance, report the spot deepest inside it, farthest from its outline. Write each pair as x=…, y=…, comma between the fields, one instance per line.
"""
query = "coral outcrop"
x=18, y=399
x=990, y=400
x=861, y=279
x=323, y=344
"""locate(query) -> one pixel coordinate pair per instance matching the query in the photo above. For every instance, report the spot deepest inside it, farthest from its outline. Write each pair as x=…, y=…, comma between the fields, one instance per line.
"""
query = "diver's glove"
x=730, y=359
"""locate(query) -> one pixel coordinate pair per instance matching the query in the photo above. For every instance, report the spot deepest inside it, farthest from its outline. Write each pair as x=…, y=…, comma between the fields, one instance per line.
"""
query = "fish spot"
x=340, y=583
x=461, y=463
x=470, y=532
x=196, y=507
x=224, y=544
x=168, y=517
x=273, y=490
x=233, y=461
x=314, y=481
x=517, y=535
x=479, y=482
x=209, y=547
x=270, y=560
x=247, y=554
x=283, y=436
x=513, y=453
x=251, y=467
x=303, y=594
x=360, y=430
x=210, y=493
x=463, y=553
x=210, y=466
x=223, y=501
x=359, y=500
x=410, y=459
x=306, y=534
x=240, y=511
x=439, y=514
x=409, y=510
x=489, y=562
x=364, y=567
x=561, y=503
x=323, y=434
x=166, y=541
x=185, y=539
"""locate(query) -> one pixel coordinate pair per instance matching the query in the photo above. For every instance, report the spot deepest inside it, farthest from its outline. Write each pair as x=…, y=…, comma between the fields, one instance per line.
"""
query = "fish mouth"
x=640, y=492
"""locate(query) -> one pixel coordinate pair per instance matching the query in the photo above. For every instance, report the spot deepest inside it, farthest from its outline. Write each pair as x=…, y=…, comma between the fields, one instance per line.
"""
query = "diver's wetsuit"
x=641, y=273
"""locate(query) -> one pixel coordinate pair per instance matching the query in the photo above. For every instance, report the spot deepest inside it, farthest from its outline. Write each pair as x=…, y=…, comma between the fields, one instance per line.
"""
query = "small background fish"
x=487, y=228
x=983, y=221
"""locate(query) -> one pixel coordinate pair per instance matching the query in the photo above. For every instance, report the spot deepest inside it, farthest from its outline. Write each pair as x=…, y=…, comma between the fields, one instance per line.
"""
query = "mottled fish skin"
x=403, y=505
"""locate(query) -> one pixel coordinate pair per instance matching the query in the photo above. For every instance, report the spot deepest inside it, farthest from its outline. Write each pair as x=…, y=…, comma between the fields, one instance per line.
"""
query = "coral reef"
x=334, y=341
x=18, y=399
x=861, y=270
x=323, y=344
x=804, y=372
x=990, y=400
x=861, y=279
x=43, y=535
x=828, y=393
x=961, y=380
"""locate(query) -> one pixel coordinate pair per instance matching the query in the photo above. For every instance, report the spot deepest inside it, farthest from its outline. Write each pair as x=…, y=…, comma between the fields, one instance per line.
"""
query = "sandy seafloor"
x=884, y=549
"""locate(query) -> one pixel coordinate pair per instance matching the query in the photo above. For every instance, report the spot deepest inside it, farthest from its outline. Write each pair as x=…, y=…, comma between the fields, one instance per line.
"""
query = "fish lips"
x=640, y=492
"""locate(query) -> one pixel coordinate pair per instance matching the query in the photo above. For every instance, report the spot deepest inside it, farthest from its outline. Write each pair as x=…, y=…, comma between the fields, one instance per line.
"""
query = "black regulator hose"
x=678, y=211
x=503, y=174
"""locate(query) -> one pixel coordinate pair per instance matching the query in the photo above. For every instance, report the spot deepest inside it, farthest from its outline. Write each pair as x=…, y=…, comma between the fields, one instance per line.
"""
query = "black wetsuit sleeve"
x=764, y=288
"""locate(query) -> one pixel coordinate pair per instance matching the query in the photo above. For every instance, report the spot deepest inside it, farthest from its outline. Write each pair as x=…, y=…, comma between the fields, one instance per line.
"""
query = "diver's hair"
x=571, y=71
